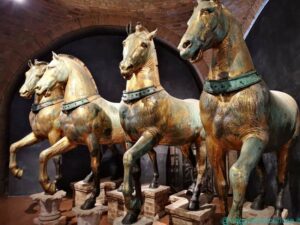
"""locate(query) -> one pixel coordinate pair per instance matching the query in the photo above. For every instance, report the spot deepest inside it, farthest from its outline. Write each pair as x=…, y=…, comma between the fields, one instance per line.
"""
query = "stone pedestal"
x=180, y=215
x=89, y=217
x=142, y=221
x=153, y=208
x=83, y=191
x=49, y=208
x=253, y=217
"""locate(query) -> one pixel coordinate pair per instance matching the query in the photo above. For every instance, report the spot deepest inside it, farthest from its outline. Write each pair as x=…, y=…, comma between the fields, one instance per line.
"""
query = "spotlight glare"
x=19, y=1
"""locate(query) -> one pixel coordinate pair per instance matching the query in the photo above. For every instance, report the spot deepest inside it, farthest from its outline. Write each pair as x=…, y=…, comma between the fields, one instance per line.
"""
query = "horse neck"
x=147, y=76
x=80, y=83
x=231, y=58
x=56, y=93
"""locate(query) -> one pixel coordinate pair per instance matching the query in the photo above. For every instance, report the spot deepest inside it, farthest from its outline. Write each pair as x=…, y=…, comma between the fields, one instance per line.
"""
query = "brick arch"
x=45, y=42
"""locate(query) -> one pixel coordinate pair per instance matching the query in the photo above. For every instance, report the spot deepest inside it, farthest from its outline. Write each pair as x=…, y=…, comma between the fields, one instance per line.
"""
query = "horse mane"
x=81, y=64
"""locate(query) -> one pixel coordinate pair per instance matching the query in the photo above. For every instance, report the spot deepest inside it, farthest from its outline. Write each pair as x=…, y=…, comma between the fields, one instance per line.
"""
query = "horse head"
x=32, y=76
x=56, y=73
x=207, y=27
x=137, y=49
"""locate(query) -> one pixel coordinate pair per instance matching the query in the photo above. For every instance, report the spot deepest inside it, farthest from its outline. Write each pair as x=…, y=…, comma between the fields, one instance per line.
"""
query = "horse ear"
x=55, y=56
x=30, y=63
x=152, y=35
x=129, y=28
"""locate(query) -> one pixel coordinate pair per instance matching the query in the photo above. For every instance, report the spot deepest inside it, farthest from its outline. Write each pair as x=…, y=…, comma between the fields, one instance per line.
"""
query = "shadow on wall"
x=274, y=43
x=101, y=51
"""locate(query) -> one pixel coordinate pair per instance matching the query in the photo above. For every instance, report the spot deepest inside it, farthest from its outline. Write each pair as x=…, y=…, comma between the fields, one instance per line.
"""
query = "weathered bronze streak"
x=252, y=120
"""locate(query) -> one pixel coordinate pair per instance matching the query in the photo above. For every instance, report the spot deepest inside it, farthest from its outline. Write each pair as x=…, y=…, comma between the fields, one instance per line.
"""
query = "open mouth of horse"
x=26, y=95
x=196, y=56
x=127, y=76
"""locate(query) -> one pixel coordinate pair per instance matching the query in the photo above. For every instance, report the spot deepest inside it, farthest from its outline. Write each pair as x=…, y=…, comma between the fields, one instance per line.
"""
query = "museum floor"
x=22, y=211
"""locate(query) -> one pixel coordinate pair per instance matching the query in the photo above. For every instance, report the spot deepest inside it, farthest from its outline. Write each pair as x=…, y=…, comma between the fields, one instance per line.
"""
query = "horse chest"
x=138, y=116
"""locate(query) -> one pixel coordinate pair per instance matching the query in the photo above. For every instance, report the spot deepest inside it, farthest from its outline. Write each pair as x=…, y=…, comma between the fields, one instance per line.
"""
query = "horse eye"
x=144, y=45
x=123, y=43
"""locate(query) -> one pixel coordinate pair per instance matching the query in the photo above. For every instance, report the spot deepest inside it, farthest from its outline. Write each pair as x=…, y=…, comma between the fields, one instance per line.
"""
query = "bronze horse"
x=238, y=110
x=88, y=119
x=150, y=116
x=43, y=118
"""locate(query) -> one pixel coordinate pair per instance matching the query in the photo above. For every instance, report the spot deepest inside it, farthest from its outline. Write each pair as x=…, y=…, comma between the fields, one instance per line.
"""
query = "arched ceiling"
x=34, y=24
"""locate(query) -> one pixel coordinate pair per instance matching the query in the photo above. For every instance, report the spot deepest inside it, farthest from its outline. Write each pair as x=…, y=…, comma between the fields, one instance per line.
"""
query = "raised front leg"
x=60, y=147
x=154, y=183
x=29, y=139
x=239, y=173
x=96, y=158
x=201, y=168
x=134, y=203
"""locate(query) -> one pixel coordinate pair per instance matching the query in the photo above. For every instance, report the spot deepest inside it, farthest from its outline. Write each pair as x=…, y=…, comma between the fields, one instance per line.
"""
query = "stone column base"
x=153, y=208
x=262, y=217
x=179, y=214
x=142, y=221
x=49, y=208
x=83, y=191
x=90, y=216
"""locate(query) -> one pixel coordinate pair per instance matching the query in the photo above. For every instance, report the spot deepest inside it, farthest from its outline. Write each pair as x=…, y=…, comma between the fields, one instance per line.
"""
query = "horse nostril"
x=38, y=87
x=187, y=44
x=130, y=66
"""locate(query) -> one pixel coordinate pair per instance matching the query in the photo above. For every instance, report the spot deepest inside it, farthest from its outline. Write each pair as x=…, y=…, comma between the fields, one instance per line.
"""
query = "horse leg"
x=186, y=151
x=134, y=203
x=239, y=173
x=154, y=183
x=53, y=137
x=216, y=156
x=29, y=139
x=201, y=167
x=60, y=147
x=282, y=158
x=259, y=203
x=96, y=157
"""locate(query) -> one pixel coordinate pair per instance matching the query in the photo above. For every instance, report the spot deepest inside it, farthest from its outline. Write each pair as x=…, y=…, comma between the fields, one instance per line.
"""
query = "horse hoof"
x=258, y=204
x=130, y=218
x=88, y=204
x=18, y=173
x=50, y=188
x=193, y=205
x=153, y=185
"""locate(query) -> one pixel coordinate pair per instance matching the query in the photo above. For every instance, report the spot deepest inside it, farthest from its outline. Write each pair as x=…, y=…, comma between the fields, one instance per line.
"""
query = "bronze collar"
x=35, y=108
x=132, y=96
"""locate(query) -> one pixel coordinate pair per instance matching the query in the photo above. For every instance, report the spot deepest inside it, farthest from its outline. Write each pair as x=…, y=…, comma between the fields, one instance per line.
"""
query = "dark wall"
x=101, y=51
x=274, y=43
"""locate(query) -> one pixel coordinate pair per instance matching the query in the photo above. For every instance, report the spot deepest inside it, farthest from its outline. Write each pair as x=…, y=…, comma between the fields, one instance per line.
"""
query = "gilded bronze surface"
x=253, y=120
x=155, y=119
x=93, y=123
x=44, y=123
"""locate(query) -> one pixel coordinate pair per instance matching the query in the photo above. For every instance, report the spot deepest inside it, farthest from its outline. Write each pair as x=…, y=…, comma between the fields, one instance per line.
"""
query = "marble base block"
x=89, y=217
x=49, y=208
x=180, y=215
x=154, y=203
x=142, y=221
x=253, y=217
x=83, y=191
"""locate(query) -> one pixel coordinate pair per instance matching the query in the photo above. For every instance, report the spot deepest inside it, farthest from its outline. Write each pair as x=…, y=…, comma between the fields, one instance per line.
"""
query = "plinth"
x=153, y=207
x=179, y=214
x=49, y=208
x=90, y=216
x=83, y=191
x=253, y=217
